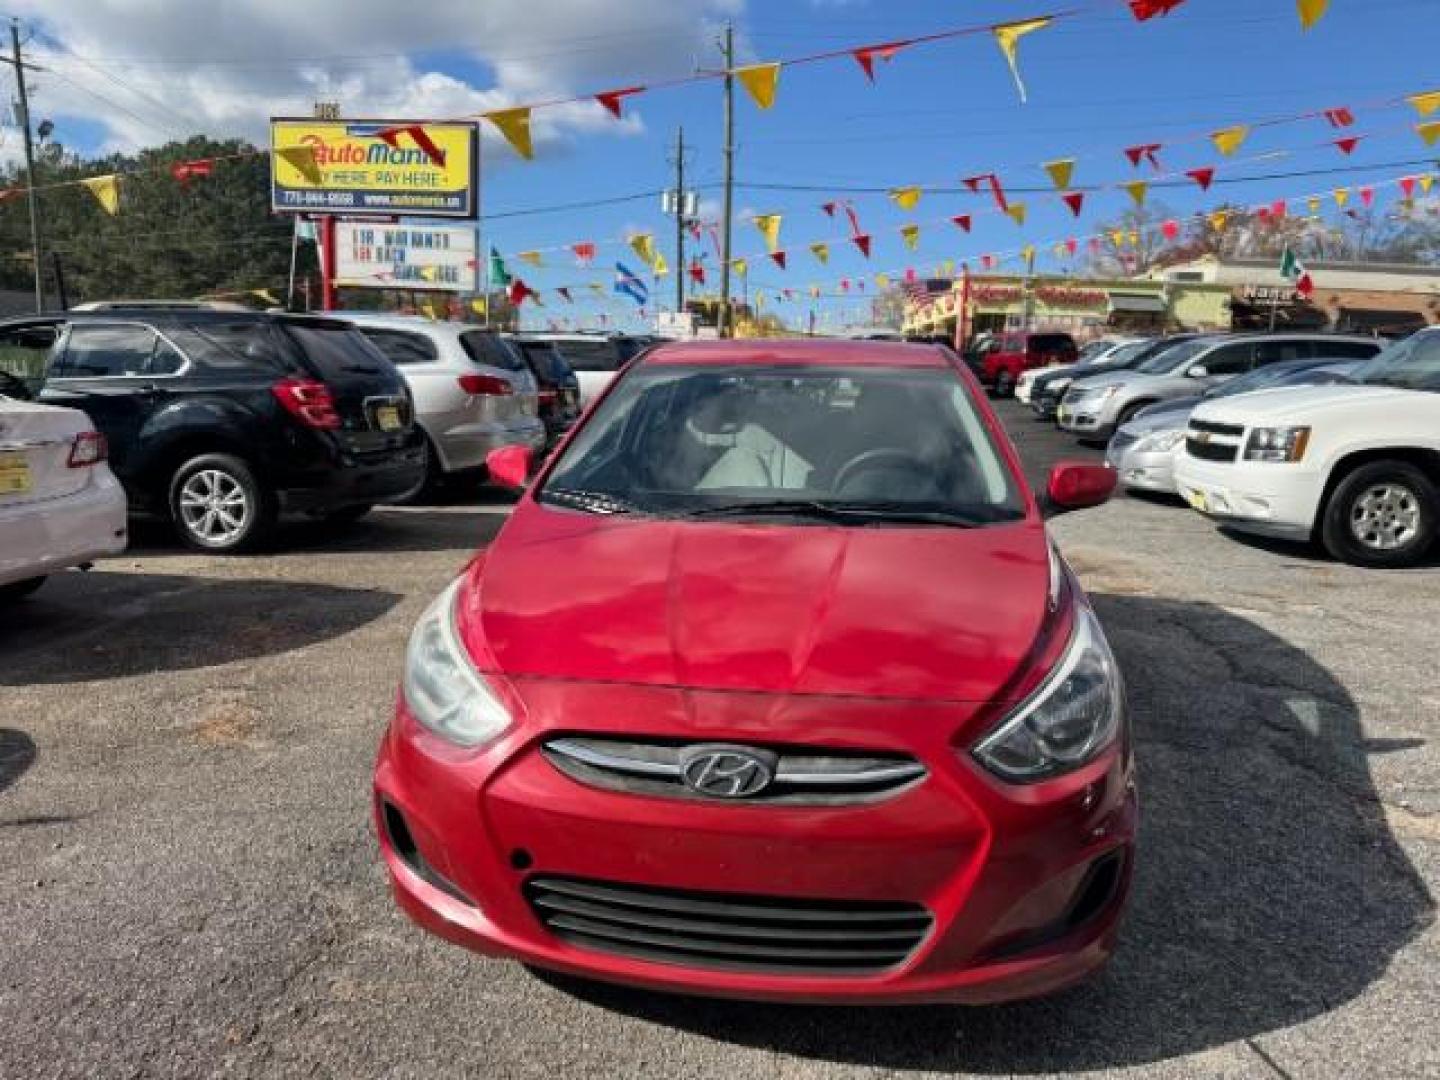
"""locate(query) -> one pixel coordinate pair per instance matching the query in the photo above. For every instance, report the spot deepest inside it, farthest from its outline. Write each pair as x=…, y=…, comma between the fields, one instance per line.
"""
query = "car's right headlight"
x=442, y=688
x=1160, y=442
x=1073, y=715
x=1281, y=444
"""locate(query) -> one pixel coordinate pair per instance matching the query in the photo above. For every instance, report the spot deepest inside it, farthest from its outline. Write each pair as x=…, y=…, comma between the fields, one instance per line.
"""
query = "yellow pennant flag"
x=1060, y=172
x=1219, y=219
x=531, y=257
x=947, y=268
x=1137, y=190
x=1425, y=104
x=760, y=81
x=1117, y=237
x=1018, y=211
x=1134, y=239
x=1426, y=183
x=660, y=267
x=479, y=305
x=1311, y=12
x=1027, y=253
x=769, y=226
x=643, y=244
x=907, y=198
x=106, y=190
x=1230, y=139
x=740, y=266
x=1313, y=203
x=1342, y=196
x=882, y=281
x=1008, y=36
x=821, y=252
x=302, y=160
x=514, y=124
x=597, y=288
x=911, y=235
x=1430, y=132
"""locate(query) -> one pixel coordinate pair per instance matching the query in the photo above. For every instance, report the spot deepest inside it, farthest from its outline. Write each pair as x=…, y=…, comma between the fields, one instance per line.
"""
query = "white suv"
x=1356, y=465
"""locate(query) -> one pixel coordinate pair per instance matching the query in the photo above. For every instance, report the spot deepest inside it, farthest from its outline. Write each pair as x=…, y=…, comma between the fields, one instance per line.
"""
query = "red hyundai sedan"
x=773, y=686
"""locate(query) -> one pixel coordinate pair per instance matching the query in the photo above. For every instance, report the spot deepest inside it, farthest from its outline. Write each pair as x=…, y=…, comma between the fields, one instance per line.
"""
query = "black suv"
x=559, y=387
x=223, y=420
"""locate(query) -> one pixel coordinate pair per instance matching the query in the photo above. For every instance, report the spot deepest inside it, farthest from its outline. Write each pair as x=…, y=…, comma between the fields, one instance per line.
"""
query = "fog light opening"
x=398, y=833
x=521, y=859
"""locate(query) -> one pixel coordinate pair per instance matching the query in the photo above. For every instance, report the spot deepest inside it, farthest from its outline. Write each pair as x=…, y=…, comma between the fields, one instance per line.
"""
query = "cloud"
x=153, y=72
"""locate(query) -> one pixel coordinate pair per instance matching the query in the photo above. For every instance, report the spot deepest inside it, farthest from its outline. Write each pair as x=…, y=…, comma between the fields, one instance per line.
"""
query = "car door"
x=1283, y=350
x=1222, y=363
x=108, y=370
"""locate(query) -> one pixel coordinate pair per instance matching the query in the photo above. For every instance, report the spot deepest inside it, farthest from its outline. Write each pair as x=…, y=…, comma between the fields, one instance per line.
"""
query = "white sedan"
x=60, y=505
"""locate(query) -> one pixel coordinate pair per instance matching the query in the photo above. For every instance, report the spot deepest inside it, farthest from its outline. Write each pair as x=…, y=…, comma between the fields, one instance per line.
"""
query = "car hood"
x=1302, y=404
x=910, y=613
x=1169, y=416
x=1055, y=371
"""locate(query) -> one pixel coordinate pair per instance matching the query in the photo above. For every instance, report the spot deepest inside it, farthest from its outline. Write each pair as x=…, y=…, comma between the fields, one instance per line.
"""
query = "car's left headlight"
x=1160, y=442
x=442, y=688
x=1073, y=715
x=1283, y=444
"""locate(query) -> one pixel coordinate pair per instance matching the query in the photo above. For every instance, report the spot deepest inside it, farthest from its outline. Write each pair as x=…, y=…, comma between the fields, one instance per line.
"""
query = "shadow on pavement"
x=1310, y=553
x=1269, y=889
x=160, y=622
x=17, y=754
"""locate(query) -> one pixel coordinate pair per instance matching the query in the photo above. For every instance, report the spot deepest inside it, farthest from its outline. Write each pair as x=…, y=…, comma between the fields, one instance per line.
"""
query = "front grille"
x=800, y=776
x=1211, y=451
x=1232, y=430
x=729, y=930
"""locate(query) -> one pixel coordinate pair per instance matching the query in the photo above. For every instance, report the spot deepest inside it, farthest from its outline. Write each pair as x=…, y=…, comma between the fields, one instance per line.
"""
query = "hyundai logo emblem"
x=726, y=772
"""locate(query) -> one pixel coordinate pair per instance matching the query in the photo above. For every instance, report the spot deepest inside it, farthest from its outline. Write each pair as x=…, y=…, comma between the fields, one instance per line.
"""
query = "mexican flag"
x=1293, y=270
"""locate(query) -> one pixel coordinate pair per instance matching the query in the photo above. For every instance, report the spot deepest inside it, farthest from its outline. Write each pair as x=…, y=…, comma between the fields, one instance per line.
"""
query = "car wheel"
x=1383, y=514
x=1004, y=384
x=18, y=590
x=434, y=478
x=1128, y=413
x=218, y=504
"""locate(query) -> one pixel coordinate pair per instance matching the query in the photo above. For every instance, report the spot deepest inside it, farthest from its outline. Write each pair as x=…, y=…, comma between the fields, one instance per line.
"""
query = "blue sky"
x=936, y=112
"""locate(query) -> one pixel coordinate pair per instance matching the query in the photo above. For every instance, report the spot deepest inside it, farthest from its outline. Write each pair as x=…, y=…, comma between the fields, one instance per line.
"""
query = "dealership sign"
x=401, y=167
x=374, y=256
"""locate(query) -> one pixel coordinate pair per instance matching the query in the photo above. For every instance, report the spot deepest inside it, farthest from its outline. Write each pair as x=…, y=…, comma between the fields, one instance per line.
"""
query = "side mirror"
x=1199, y=371
x=1078, y=485
x=510, y=466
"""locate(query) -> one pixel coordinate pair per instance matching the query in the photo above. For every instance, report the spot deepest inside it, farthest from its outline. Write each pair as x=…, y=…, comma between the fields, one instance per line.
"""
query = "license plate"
x=387, y=418
x=14, y=474
x=1197, y=500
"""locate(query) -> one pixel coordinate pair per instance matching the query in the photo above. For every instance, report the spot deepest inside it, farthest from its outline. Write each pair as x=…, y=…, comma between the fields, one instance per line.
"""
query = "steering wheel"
x=875, y=459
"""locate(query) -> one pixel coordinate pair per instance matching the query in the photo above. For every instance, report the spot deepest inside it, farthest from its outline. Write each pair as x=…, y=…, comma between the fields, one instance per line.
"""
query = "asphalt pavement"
x=189, y=885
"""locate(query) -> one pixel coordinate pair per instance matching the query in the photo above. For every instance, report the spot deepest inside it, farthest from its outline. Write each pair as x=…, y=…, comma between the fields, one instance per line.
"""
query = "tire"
x=18, y=590
x=1383, y=514
x=218, y=505
x=434, y=481
x=1004, y=384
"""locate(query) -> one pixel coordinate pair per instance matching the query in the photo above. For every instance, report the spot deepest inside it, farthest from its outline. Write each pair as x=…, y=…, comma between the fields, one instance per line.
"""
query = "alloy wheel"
x=214, y=507
x=1385, y=516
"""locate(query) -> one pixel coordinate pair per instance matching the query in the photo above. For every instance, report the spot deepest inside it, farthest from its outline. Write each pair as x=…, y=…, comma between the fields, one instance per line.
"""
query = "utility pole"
x=680, y=220
x=728, y=202
x=24, y=119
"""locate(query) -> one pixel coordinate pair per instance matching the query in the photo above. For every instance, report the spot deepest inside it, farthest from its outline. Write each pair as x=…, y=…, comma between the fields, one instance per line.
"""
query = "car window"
x=1280, y=352
x=1346, y=350
x=25, y=352
x=490, y=349
x=166, y=359
x=546, y=360
x=402, y=349
x=335, y=350
x=241, y=344
x=100, y=351
x=598, y=355
x=1170, y=357
x=1049, y=343
x=1412, y=364
x=1229, y=359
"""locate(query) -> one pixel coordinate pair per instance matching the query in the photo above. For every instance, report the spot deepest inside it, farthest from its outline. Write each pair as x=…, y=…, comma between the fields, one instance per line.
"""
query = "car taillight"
x=89, y=448
x=548, y=397
x=490, y=385
x=309, y=401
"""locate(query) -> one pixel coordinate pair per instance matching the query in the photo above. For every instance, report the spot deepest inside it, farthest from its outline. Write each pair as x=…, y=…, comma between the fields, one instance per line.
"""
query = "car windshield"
x=1168, y=360
x=1123, y=355
x=845, y=445
x=1095, y=350
x=1412, y=364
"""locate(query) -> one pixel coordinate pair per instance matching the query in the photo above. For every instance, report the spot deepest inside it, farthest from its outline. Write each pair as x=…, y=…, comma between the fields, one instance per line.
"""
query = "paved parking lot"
x=188, y=885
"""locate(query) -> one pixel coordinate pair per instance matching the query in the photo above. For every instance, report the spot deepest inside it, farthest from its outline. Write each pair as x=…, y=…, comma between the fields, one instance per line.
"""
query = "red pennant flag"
x=519, y=292
x=1204, y=177
x=613, y=100
x=844, y=284
x=862, y=242
x=868, y=54
x=1075, y=200
x=1407, y=185
x=1147, y=9
x=1367, y=196
x=778, y=257
x=829, y=209
x=1263, y=213
x=1144, y=152
x=584, y=252
x=697, y=272
x=998, y=192
x=987, y=261
x=1072, y=245
x=1279, y=208
x=391, y=137
x=185, y=171
x=1340, y=118
x=1347, y=145
x=1171, y=229
x=910, y=275
x=564, y=291
x=973, y=182
x=963, y=220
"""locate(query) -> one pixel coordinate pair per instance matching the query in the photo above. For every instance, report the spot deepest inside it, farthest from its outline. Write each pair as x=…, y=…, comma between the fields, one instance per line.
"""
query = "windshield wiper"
x=843, y=513
x=593, y=502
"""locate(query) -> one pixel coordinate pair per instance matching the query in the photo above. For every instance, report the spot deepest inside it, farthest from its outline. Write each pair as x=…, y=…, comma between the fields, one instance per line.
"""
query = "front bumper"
x=1001, y=869
x=1260, y=497
x=40, y=538
x=1145, y=470
x=1088, y=419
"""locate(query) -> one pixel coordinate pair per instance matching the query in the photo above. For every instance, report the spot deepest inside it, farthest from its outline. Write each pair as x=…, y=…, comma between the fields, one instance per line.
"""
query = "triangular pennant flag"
x=419, y=136
x=987, y=261
x=964, y=221
x=659, y=267
x=584, y=253
x=643, y=244
x=1426, y=183
x=911, y=235
x=907, y=198
x=1060, y=172
x=947, y=268
x=1204, y=177
x=1342, y=196
x=519, y=292
x=862, y=241
x=1075, y=200
x=1144, y=152
x=882, y=281
x=1429, y=132
x=1230, y=139
x=1145, y=10
x=1367, y=196
x=106, y=190
x=1072, y=245
x=1407, y=185
x=1311, y=11
x=868, y=54
x=532, y=257
x=302, y=160
x=1018, y=212
x=1170, y=229
x=1425, y=104
x=1027, y=253
x=779, y=258
x=973, y=182
x=1117, y=237
x=1348, y=145
x=845, y=284
x=480, y=306
x=1313, y=202
x=1340, y=118
x=697, y=271
x=829, y=209
x=514, y=124
x=1008, y=36
x=499, y=272
x=821, y=252
x=1137, y=190
x=910, y=275
x=1279, y=208
x=760, y=82
x=769, y=226
x=613, y=100
x=597, y=288
x=185, y=171
x=1134, y=238
x=740, y=266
